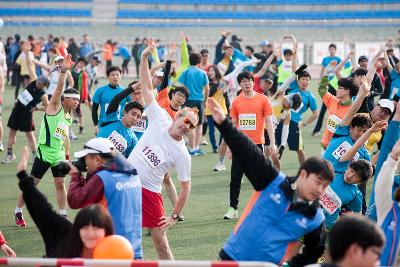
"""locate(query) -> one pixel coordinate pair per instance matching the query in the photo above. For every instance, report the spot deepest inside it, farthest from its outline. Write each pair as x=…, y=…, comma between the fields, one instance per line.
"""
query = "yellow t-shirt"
x=219, y=97
x=373, y=139
x=21, y=60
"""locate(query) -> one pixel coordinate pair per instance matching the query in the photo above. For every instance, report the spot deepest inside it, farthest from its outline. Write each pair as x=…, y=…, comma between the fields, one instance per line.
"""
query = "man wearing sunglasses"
x=110, y=179
x=159, y=149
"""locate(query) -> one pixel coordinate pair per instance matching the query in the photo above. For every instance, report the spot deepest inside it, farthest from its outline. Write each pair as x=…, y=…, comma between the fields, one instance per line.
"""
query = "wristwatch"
x=175, y=216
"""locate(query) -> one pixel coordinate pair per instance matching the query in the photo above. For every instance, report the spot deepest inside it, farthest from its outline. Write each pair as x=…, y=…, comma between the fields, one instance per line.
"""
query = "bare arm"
x=70, y=79
x=264, y=68
x=372, y=67
x=183, y=196
x=388, y=65
x=206, y=89
x=26, y=49
x=144, y=73
x=42, y=65
x=362, y=93
x=349, y=155
x=311, y=118
x=342, y=63
x=294, y=59
x=156, y=67
x=270, y=129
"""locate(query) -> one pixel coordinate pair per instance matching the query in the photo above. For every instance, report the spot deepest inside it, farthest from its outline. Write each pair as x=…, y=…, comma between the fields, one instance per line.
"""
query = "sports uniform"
x=156, y=153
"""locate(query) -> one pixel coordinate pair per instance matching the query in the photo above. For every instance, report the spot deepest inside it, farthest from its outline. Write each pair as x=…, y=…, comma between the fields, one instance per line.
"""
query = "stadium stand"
x=257, y=2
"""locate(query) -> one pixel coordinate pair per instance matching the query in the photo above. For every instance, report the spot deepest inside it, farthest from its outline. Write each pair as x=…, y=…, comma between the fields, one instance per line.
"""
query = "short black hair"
x=245, y=75
x=203, y=51
x=287, y=52
x=361, y=121
x=304, y=74
x=318, y=166
x=178, y=87
x=348, y=84
x=250, y=48
x=56, y=40
x=353, y=229
x=132, y=105
x=194, y=59
x=363, y=168
x=71, y=91
x=332, y=45
x=81, y=59
x=359, y=72
x=113, y=68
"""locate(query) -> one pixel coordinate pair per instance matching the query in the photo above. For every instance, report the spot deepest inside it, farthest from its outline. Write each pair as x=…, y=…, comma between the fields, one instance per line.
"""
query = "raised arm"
x=384, y=184
x=362, y=93
x=144, y=73
x=259, y=170
x=55, y=101
x=169, y=59
x=42, y=65
x=115, y=102
x=267, y=63
x=372, y=67
x=339, y=67
x=388, y=65
x=294, y=58
x=324, y=83
x=349, y=155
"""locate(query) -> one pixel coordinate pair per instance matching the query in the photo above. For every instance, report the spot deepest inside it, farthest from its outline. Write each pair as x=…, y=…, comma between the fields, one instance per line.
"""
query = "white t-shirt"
x=157, y=152
x=53, y=78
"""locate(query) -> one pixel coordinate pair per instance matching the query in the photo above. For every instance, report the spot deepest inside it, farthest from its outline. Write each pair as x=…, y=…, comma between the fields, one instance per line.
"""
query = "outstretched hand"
x=171, y=51
x=216, y=110
x=365, y=86
x=23, y=163
x=379, y=126
x=151, y=44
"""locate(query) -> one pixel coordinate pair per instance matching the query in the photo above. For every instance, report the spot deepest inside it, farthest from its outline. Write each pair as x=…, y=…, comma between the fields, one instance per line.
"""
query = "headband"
x=72, y=96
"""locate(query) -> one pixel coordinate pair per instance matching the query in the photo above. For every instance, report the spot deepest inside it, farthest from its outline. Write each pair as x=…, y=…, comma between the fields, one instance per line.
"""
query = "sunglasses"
x=187, y=121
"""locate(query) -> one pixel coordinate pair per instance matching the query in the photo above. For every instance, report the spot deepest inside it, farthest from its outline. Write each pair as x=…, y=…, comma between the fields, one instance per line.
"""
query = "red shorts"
x=152, y=208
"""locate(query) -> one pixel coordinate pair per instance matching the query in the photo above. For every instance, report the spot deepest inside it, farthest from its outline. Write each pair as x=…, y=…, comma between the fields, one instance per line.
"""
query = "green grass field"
x=199, y=237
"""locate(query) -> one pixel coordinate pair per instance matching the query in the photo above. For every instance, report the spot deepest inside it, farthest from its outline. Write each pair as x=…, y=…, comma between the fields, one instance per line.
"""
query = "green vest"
x=284, y=71
x=54, y=130
x=345, y=73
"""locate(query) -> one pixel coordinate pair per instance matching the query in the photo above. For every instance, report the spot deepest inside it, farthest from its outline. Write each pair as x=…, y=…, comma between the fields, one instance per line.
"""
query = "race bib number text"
x=247, y=122
x=330, y=201
x=152, y=155
x=140, y=126
x=61, y=132
x=118, y=141
x=342, y=149
x=333, y=123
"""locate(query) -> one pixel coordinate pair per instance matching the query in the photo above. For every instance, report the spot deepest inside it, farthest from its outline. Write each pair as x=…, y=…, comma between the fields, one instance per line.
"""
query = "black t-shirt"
x=29, y=98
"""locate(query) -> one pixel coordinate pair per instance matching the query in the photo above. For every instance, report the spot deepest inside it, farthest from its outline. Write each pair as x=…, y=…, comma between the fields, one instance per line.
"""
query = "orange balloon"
x=113, y=247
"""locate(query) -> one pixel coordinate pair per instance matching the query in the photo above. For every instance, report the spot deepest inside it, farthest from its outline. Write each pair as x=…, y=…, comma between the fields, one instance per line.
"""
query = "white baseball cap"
x=97, y=145
x=58, y=58
x=386, y=103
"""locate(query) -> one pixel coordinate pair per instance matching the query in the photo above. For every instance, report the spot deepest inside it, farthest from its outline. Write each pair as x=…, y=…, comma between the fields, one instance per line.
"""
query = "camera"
x=63, y=167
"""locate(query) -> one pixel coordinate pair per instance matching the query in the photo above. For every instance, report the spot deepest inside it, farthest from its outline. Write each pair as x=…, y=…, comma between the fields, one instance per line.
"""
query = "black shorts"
x=266, y=137
x=196, y=104
x=295, y=140
x=21, y=120
x=40, y=167
x=78, y=110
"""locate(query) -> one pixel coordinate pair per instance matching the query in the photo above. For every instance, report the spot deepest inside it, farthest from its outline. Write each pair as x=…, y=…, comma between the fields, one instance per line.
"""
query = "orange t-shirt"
x=336, y=113
x=250, y=114
x=108, y=54
x=165, y=103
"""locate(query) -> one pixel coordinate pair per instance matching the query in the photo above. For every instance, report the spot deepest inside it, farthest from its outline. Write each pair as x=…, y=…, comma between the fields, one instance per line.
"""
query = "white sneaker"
x=1, y=146
x=219, y=167
x=8, y=159
x=231, y=214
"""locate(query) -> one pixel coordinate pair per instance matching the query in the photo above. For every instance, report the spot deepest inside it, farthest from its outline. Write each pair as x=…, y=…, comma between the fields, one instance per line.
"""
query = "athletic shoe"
x=219, y=167
x=192, y=152
x=231, y=214
x=215, y=150
x=200, y=152
x=181, y=218
x=204, y=142
x=8, y=159
x=1, y=146
x=75, y=121
x=19, y=219
x=72, y=136
x=315, y=133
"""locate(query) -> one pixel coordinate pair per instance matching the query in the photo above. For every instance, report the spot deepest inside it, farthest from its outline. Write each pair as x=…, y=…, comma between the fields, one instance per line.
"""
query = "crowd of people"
x=256, y=100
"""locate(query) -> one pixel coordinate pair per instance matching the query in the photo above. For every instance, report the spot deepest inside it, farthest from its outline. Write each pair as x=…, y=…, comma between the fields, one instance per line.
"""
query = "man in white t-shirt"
x=161, y=148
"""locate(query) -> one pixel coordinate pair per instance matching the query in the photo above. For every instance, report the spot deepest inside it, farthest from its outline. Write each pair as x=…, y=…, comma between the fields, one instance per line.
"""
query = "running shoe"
x=1, y=146
x=19, y=219
x=8, y=159
x=72, y=136
x=200, y=152
x=219, y=167
x=181, y=218
x=231, y=214
x=204, y=142
x=192, y=152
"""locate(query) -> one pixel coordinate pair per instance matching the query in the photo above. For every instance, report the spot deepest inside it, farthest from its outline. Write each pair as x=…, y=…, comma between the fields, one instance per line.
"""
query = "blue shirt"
x=85, y=49
x=123, y=138
x=327, y=60
x=123, y=52
x=309, y=101
x=349, y=194
x=395, y=88
x=339, y=146
x=103, y=97
x=195, y=79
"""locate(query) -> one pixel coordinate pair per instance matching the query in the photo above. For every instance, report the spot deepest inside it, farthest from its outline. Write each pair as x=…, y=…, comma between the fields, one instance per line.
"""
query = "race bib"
x=140, y=126
x=342, y=149
x=330, y=201
x=287, y=66
x=333, y=122
x=25, y=97
x=118, y=141
x=247, y=121
x=61, y=131
x=152, y=155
